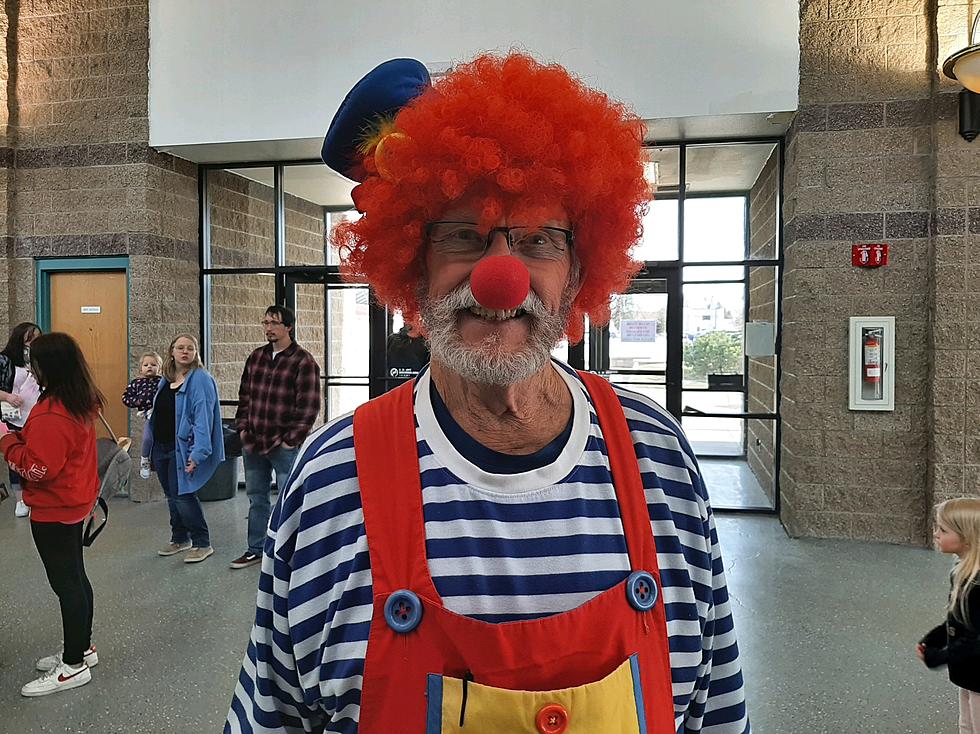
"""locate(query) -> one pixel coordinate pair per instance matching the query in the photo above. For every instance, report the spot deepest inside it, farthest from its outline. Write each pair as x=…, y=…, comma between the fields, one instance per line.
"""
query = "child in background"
x=139, y=394
x=956, y=643
x=22, y=393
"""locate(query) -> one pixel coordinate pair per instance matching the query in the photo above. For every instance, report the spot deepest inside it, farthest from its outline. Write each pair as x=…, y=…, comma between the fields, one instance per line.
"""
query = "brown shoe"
x=172, y=548
x=246, y=559
x=196, y=555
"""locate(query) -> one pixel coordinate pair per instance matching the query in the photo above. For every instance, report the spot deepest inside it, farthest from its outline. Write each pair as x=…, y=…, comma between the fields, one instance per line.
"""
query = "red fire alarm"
x=869, y=256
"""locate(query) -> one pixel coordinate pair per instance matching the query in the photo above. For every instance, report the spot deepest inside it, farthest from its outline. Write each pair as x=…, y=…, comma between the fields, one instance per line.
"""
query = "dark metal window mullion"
x=326, y=348
x=279, y=229
x=746, y=305
x=675, y=342
x=204, y=261
x=378, y=330
x=675, y=300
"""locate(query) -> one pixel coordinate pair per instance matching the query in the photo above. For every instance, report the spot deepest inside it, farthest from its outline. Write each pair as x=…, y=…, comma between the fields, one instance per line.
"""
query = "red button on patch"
x=552, y=719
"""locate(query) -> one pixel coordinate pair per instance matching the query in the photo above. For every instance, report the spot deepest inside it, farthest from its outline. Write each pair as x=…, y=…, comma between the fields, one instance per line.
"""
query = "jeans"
x=60, y=548
x=147, y=441
x=14, y=476
x=186, y=514
x=258, y=480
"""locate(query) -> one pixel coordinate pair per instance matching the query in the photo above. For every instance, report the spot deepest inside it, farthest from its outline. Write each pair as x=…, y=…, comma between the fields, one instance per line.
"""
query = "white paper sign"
x=91, y=309
x=638, y=330
x=760, y=339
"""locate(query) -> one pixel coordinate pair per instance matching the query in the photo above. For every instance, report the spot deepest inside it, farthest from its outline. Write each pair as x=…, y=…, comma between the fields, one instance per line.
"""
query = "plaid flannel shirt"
x=279, y=399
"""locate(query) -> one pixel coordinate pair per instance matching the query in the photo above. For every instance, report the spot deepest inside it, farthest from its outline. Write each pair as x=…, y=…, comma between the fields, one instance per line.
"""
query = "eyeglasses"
x=267, y=323
x=463, y=240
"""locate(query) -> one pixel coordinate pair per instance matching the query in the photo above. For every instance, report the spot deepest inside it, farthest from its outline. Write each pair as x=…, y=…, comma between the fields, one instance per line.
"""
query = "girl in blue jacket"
x=187, y=445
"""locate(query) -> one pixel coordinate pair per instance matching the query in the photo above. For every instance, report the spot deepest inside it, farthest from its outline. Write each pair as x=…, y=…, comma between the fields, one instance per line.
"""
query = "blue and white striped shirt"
x=500, y=547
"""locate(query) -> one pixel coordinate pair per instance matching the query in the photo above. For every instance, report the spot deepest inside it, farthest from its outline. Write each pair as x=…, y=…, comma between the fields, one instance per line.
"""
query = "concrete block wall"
x=79, y=178
x=954, y=395
x=304, y=231
x=761, y=377
x=874, y=156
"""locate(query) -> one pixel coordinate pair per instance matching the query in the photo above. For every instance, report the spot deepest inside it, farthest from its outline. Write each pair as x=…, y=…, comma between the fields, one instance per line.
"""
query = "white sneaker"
x=145, y=467
x=50, y=662
x=60, y=678
x=21, y=509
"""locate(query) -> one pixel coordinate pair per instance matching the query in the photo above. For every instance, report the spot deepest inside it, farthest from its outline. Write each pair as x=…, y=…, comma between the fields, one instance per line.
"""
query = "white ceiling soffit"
x=711, y=168
x=718, y=127
x=314, y=182
x=732, y=167
x=678, y=129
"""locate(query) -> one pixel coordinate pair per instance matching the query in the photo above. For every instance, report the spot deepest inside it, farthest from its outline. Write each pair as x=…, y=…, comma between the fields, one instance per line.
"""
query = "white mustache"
x=462, y=297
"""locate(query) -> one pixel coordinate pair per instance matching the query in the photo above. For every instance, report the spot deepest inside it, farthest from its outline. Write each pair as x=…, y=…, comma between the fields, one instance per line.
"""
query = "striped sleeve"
x=709, y=695
x=305, y=656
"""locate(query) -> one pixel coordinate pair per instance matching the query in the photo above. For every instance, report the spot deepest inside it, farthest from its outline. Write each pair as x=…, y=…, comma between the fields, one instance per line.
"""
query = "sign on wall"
x=638, y=330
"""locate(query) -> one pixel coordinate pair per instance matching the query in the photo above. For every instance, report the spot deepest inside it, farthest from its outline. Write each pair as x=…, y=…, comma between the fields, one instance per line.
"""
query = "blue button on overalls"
x=642, y=591
x=403, y=611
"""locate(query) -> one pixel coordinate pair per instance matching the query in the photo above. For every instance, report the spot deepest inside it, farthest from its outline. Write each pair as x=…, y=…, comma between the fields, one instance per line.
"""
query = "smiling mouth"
x=496, y=315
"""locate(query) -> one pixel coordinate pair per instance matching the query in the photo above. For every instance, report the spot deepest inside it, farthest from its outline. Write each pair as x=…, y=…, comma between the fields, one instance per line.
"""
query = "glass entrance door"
x=333, y=323
x=363, y=349
x=641, y=348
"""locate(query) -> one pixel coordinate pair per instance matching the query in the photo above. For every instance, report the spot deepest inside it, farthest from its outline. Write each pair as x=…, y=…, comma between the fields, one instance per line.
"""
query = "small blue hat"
x=380, y=94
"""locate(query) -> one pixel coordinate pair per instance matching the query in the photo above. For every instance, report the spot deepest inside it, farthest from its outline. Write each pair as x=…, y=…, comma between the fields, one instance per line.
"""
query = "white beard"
x=487, y=362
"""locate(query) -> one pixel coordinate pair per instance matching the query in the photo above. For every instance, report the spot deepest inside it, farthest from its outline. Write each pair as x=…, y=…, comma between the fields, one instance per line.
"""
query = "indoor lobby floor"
x=827, y=629
x=731, y=484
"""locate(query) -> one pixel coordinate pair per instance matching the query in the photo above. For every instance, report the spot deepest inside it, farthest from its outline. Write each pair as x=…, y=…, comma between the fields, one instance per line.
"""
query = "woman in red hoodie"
x=55, y=454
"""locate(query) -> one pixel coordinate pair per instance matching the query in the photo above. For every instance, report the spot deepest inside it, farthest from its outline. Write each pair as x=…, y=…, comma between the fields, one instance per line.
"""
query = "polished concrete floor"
x=827, y=630
x=732, y=485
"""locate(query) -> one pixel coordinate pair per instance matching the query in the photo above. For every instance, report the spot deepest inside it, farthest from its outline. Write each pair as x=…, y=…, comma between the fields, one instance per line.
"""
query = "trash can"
x=224, y=482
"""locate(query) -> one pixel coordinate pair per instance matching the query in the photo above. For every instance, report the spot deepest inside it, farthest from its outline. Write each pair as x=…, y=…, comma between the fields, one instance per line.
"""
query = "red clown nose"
x=500, y=282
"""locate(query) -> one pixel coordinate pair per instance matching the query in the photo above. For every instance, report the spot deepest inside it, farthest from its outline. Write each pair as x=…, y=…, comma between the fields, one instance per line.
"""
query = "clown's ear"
x=368, y=112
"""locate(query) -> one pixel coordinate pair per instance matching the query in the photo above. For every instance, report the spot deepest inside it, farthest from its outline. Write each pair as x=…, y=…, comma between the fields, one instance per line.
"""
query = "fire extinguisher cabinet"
x=872, y=363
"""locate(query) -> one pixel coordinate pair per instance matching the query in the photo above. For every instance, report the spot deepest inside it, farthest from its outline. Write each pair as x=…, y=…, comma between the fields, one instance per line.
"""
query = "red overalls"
x=413, y=635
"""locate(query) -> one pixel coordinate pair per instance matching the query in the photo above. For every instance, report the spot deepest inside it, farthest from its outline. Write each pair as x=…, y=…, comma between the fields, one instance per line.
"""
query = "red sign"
x=869, y=256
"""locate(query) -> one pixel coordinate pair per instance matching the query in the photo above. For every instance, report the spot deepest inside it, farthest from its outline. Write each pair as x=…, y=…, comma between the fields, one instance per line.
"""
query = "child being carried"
x=139, y=394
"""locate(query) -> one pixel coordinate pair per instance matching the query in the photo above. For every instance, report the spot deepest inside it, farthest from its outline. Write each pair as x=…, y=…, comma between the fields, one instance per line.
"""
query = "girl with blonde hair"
x=956, y=643
x=187, y=445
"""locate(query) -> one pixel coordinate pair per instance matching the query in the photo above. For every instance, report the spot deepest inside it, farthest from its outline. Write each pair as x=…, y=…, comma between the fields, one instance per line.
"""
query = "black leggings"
x=60, y=548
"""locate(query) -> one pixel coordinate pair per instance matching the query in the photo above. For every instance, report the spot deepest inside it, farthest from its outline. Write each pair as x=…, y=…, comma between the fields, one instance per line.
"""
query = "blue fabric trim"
x=641, y=715
x=489, y=460
x=433, y=716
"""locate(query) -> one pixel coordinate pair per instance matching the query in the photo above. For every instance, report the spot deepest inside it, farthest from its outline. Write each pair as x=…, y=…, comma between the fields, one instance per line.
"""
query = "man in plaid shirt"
x=278, y=402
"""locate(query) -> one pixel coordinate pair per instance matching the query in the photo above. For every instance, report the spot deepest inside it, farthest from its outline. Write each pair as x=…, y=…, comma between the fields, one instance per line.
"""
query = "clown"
x=503, y=544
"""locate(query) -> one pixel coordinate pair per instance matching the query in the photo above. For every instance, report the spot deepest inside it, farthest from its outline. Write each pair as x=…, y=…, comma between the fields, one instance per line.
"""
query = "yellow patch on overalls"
x=613, y=705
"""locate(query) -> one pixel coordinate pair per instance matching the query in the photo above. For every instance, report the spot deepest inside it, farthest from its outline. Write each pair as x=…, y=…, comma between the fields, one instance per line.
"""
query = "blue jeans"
x=258, y=481
x=186, y=514
x=147, y=441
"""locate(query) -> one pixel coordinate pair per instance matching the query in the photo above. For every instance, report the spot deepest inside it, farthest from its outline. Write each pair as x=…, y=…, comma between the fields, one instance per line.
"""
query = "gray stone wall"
x=865, y=162
x=954, y=391
x=79, y=178
x=761, y=378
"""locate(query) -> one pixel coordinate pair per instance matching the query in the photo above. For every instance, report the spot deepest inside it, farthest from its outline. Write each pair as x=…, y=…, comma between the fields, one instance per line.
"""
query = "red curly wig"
x=517, y=135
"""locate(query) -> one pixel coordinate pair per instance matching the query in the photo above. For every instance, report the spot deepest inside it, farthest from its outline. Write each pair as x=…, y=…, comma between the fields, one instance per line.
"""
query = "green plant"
x=715, y=352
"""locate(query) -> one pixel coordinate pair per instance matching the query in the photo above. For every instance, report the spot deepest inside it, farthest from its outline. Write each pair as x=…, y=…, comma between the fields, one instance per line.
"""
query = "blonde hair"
x=962, y=516
x=155, y=356
x=170, y=364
